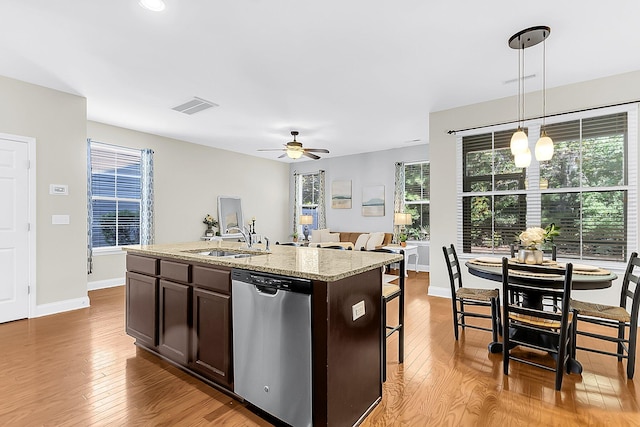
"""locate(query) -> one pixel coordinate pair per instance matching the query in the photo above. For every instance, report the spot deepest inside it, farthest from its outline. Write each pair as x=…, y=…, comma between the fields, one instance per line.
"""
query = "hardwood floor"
x=81, y=369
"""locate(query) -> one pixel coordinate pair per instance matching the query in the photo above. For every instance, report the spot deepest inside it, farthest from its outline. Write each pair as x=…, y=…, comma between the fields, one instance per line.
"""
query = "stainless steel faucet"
x=266, y=248
x=245, y=235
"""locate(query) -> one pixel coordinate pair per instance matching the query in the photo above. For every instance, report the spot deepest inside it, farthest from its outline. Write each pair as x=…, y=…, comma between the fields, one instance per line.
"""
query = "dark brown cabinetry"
x=182, y=312
x=212, y=335
x=142, y=308
x=212, y=324
x=174, y=328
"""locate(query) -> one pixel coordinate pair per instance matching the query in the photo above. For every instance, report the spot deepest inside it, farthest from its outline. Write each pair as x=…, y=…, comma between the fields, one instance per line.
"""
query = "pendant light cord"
x=544, y=82
x=523, y=89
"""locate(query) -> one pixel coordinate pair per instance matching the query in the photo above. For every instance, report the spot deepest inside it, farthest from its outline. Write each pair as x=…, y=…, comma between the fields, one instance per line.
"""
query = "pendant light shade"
x=544, y=148
x=523, y=160
x=519, y=142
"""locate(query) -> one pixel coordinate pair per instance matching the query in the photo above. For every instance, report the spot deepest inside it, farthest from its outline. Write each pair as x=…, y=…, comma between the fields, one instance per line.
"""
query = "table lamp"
x=306, y=220
x=401, y=219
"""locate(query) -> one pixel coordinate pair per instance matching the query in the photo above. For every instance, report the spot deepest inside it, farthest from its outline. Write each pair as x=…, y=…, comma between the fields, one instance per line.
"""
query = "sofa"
x=358, y=239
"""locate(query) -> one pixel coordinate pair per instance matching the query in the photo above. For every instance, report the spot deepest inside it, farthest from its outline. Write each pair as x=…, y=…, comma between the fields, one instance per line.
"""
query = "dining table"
x=584, y=277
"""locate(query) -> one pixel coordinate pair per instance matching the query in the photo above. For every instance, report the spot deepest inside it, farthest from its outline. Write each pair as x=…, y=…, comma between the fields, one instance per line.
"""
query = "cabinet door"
x=142, y=308
x=212, y=335
x=175, y=304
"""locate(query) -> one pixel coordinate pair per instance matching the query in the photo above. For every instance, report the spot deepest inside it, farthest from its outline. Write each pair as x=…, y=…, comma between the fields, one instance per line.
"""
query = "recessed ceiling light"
x=153, y=5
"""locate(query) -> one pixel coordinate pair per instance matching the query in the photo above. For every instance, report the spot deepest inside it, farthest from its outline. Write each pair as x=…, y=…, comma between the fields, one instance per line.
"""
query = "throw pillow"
x=361, y=241
x=332, y=237
x=321, y=235
x=375, y=239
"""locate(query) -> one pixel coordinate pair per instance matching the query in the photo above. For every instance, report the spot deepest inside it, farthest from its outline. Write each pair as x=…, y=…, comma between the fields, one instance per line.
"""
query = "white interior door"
x=14, y=230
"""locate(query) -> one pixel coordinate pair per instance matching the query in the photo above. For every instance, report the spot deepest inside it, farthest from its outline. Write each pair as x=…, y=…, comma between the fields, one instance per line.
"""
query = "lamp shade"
x=544, y=148
x=400, y=218
x=306, y=219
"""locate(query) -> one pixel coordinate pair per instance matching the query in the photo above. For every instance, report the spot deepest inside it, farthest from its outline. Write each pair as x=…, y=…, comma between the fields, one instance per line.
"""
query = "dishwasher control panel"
x=272, y=281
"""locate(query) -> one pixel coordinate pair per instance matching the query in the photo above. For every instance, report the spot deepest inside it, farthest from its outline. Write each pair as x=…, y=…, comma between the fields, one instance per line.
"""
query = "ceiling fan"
x=294, y=149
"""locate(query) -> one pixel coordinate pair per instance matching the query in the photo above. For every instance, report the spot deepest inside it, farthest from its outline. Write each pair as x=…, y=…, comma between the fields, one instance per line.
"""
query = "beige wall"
x=188, y=178
x=57, y=121
x=601, y=92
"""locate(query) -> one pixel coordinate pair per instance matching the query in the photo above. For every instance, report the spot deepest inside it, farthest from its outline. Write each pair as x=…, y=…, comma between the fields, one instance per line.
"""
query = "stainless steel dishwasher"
x=272, y=344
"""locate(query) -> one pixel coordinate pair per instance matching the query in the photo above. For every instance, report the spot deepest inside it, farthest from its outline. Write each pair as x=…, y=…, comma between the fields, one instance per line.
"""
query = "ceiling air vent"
x=194, y=106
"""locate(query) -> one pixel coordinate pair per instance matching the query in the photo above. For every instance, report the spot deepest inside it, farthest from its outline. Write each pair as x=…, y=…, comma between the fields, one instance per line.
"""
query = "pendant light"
x=544, y=146
x=519, y=140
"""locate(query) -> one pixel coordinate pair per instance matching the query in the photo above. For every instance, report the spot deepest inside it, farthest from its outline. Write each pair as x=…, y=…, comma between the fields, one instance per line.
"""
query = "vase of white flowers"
x=531, y=241
x=211, y=222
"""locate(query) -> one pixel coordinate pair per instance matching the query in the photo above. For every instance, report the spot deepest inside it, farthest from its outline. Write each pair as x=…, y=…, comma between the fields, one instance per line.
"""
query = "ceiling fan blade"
x=272, y=149
x=282, y=155
x=313, y=156
x=317, y=150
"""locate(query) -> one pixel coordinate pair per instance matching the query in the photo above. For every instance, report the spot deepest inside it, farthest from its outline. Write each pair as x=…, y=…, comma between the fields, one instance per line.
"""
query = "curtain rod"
x=453, y=132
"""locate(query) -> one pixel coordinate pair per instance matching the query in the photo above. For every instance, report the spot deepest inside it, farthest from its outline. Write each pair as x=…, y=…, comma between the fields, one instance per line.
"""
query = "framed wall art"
x=341, y=194
x=373, y=200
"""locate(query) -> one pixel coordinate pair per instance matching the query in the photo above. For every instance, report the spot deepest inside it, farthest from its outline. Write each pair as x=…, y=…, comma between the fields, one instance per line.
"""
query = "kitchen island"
x=179, y=306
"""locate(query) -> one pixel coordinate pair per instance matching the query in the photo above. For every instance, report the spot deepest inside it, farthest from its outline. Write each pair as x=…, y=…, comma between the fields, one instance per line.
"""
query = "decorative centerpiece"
x=211, y=222
x=531, y=240
x=402, y=238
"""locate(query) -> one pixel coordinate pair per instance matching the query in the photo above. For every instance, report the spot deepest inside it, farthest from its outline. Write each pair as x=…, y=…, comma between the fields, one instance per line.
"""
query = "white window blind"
x=310, y=188
x=417, y=199
x=588, y=188
x=116, y=194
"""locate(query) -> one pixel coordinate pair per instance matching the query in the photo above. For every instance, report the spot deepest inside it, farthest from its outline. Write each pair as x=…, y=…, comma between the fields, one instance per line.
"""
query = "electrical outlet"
x=357, y=310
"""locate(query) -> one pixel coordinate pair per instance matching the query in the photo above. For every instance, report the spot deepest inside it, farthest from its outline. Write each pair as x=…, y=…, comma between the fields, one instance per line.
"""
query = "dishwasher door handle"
x=267, y=291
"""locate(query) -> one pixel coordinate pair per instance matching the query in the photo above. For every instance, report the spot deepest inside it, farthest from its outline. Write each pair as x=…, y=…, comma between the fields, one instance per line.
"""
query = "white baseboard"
x=438, y=291
x=103, y=284
x=61, y=306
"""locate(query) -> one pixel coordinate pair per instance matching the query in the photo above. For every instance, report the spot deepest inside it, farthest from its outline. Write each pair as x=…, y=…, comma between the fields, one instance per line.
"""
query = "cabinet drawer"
x=175, y=271
x=212, y=278
x=142, y=264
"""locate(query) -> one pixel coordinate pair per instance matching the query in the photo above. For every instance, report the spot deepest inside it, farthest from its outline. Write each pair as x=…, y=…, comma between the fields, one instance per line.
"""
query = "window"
x=416, y=199
x=584, y=189
x=310, y=197
x=116, y=195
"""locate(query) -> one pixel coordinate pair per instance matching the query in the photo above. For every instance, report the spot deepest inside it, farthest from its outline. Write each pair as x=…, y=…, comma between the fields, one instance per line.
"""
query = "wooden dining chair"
x=462, y=298
x=528, y=323
x=389, y=293
x=615, y=317
x=338, y=247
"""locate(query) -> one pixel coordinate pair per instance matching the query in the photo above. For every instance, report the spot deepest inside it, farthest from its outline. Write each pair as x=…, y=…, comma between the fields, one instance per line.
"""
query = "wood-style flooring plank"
x=81, y=369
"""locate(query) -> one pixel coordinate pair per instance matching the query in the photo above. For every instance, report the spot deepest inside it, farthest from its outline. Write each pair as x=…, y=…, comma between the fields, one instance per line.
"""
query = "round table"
x=581, y=280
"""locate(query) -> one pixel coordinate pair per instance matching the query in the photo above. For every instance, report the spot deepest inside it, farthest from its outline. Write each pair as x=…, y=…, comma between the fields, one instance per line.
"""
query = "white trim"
x=61, y=306
x=439, y=291
x=109, y=250
x=104, y=284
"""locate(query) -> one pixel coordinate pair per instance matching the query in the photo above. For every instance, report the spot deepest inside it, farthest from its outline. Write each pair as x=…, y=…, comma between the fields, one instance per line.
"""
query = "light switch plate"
x=357, y=310
x=59, y=189
x=59, y=219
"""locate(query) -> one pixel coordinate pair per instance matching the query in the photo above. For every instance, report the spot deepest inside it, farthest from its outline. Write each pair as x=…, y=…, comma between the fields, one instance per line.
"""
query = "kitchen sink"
x=226, y=254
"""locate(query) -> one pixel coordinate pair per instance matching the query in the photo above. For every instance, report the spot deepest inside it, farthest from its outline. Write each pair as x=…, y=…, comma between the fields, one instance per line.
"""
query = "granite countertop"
x=306, y=262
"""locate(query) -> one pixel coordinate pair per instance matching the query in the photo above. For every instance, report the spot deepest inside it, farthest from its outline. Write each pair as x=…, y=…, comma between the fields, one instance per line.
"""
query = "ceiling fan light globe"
x=519, y=142
x=294, y=154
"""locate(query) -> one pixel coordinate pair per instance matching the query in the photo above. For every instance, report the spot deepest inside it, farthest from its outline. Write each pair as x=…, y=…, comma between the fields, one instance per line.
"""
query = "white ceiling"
x=351, y=75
